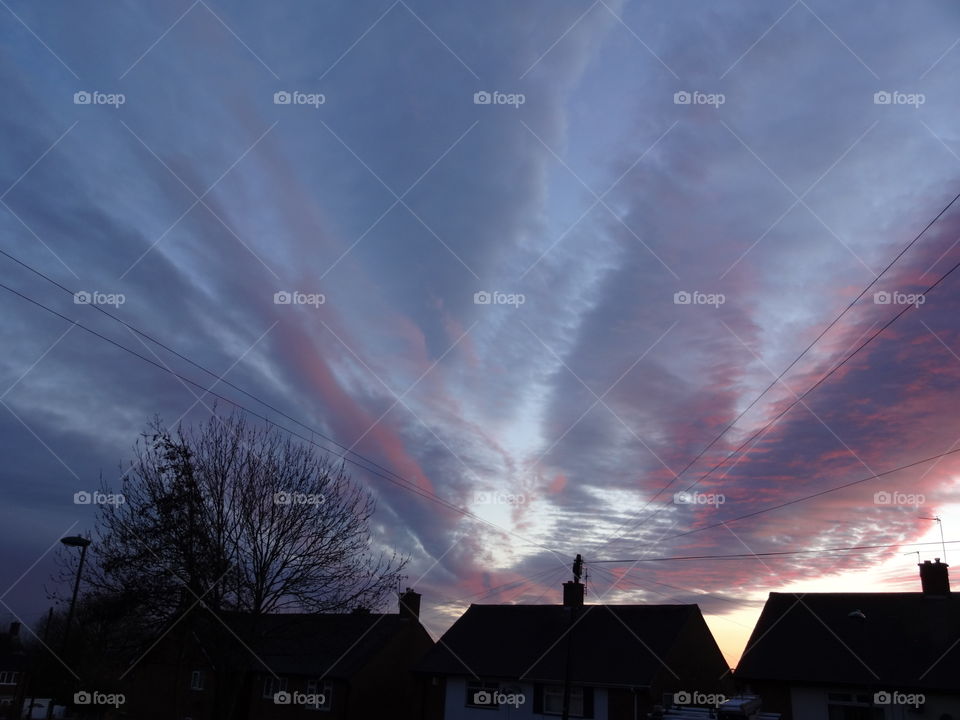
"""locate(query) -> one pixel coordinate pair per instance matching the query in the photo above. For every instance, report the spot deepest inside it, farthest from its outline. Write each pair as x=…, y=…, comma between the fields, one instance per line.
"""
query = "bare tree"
x=229, y=517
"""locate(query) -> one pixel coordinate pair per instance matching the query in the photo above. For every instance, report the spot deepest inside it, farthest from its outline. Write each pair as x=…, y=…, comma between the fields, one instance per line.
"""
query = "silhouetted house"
x=859, y=656
x=619, y=660
x=356, y=665
x=13, y=672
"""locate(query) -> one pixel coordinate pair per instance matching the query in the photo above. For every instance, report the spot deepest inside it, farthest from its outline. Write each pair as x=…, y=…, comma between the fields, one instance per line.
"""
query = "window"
x=553, y=701
x=325, y=692
x=852, y=706
x=548, y=700
x=481, y=695
x=197, y=678
x=273, y=685
x=9, y=677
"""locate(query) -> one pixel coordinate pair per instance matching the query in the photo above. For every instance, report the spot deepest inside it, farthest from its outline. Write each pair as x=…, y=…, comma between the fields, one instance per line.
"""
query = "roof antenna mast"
x=939, y=522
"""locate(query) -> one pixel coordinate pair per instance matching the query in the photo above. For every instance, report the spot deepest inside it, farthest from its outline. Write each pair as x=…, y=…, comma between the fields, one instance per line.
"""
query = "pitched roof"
x=331, y=644
x=905, y=640
x=611, y=644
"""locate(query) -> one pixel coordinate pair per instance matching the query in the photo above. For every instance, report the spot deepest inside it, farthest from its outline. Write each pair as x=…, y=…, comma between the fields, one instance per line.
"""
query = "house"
x=859, y=656
x=13, y=672
x=310, y=665
x=612, y=662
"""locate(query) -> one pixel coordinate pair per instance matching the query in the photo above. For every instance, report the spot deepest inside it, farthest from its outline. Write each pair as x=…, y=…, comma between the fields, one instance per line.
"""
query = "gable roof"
x=611, y=644
x=905, y=640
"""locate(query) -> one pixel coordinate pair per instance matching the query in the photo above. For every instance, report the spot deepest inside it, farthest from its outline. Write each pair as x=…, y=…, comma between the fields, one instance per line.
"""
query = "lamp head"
x=75, y=541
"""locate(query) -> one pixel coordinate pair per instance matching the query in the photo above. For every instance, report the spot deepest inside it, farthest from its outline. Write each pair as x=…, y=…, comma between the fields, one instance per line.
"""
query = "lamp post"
x=82, y=543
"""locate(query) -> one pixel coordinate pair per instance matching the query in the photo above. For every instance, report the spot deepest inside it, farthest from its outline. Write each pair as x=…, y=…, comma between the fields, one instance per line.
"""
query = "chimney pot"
x=934, y=578
x=572, y=594
x=410, y=605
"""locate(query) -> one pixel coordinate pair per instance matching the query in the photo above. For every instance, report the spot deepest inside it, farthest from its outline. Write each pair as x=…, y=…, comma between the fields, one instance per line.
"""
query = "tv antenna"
x=939, y=522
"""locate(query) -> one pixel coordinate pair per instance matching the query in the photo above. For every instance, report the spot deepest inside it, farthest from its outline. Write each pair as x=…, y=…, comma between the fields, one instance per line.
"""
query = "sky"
x=539, y=260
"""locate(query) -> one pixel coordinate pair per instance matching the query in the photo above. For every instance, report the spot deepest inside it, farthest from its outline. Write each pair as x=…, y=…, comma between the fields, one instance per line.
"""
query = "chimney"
x=934, y=579
x=410, y=605
x=572, y=594
x=14, y=630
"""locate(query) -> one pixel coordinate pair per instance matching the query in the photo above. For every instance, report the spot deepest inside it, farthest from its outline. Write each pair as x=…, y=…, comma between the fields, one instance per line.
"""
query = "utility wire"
x=790, y=406
x=854, y=548
x=209, y=372
x=409, y=486
x=811, y=496
x=788, y=368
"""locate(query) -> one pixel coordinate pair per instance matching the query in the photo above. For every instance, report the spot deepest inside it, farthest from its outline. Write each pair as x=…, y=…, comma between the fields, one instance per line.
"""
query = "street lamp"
x=82, y=543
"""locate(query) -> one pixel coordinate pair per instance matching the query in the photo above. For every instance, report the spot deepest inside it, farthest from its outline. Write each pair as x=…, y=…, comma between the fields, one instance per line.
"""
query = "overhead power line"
x=853, y=548
x=219, y=378
x=812, y=495
x=787, y=369
x=405, y=485
x=799, y=398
